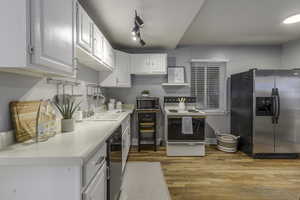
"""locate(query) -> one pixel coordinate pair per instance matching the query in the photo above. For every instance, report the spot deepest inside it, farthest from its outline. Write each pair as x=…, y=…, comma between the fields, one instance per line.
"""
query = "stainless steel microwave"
x=147, y=103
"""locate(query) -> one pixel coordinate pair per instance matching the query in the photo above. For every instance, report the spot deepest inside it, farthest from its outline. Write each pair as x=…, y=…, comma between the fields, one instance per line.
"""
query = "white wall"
x=241, y=58
x=291, y=54
x=14, y=87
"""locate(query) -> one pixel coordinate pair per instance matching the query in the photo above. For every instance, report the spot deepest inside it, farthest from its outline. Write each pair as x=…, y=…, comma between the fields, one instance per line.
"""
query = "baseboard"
x=211, y=141
x=134, y=142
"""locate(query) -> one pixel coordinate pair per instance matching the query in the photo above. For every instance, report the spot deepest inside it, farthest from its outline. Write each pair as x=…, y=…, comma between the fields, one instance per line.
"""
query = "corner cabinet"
x=92, y=48
x=39, y=37
x=149, y=64
x=120, y=76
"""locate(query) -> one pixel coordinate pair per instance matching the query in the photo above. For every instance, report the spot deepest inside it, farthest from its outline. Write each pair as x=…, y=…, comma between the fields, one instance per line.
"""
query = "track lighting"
x=136, y=30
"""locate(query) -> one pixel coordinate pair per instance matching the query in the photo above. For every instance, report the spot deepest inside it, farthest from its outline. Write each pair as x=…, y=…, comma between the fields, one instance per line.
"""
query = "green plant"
x=145, y=92
x=67, y=110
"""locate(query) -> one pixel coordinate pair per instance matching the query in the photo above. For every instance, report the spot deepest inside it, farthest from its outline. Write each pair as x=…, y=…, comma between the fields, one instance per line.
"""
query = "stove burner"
x=174, y=111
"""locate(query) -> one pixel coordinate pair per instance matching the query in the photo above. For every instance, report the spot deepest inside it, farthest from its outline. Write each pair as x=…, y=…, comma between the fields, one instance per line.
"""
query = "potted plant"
x=67, y=111
x=145, y=93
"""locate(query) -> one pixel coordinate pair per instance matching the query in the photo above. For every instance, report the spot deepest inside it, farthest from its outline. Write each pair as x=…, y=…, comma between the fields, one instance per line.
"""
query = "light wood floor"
x=223, y=176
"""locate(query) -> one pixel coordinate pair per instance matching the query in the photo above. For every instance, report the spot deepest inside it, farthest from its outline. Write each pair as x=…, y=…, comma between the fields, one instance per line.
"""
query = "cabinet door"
x=108, y=54
x=140, y=64
x=98, y=44
x=122, y=65
x=84, y=29
x=158, y=63
x=97, y=189
x=53, y=34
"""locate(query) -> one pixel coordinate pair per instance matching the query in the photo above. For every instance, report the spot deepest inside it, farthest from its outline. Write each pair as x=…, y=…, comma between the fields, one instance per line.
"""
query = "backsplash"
x=14, y=87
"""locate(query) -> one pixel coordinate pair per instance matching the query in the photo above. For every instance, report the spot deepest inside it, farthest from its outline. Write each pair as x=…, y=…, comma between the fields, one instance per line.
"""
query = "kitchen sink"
x=106, y=116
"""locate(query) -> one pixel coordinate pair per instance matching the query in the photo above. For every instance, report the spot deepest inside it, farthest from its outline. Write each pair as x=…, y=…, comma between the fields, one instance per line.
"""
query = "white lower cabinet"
x=97, y=189
x=39, y=36
x=120, y=76
x=56, y=179
x=126, y=140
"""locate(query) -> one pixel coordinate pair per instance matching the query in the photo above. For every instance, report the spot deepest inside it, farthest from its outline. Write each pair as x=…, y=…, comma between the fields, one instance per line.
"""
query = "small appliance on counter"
x=111, y=104
x=147, y=103
x=184, y=129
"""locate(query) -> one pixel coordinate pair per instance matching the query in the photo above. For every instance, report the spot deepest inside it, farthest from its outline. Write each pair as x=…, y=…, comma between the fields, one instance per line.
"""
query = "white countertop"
x=182, y=113
x=65, y=148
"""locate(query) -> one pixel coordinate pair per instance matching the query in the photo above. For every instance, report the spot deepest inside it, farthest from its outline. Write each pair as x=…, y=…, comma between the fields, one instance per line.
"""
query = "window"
x=208, y=84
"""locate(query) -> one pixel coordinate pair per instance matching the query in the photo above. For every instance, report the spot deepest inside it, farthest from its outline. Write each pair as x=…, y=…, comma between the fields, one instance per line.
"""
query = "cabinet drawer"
x=93, y=164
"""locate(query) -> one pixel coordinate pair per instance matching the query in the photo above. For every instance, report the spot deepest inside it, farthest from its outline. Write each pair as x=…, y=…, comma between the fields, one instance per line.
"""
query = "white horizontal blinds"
x=198, y=83
x=213, y=86
x=206, y=82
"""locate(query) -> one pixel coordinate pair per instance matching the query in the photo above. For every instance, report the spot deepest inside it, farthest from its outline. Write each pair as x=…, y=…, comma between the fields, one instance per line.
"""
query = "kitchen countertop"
x=66, y=148
x=182, y=113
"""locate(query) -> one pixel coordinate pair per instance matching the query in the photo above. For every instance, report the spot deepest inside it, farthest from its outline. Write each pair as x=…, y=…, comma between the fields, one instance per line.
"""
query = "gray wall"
x=291, y=54
x=14, y=87
x=240, y=58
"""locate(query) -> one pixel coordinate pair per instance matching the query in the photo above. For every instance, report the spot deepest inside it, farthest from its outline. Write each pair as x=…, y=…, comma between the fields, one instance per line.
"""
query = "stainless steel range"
x=184, y=127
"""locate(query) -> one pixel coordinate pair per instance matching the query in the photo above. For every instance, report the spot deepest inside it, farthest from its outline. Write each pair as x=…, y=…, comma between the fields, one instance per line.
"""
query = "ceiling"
x=169, y=23
x=165, y=20
x=243, y=22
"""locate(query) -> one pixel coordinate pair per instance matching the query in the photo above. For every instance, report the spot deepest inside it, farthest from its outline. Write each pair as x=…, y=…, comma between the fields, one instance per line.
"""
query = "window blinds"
x=205, y=83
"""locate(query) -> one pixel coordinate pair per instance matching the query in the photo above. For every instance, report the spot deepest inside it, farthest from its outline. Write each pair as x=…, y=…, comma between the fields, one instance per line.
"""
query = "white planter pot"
x=181, y=106
x=67, y=125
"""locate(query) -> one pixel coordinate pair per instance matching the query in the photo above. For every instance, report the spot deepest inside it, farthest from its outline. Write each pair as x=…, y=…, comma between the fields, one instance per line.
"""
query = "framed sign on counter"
x=176, y=74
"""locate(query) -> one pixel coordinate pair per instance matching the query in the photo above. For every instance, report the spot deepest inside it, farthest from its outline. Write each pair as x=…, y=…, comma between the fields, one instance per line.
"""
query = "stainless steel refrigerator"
x=265, y=112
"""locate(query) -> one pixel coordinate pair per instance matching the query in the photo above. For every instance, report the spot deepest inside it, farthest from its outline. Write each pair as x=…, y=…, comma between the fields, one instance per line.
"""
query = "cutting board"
x=24, y=115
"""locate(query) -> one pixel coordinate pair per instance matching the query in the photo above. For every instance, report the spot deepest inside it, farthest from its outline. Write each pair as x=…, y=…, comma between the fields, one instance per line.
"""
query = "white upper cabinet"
x=123, y=64
x=93, y=49
x=53, y=33
x=84, y=30
x=38, y=36
x=120, y=76
x=149, y=64
x=98, y=44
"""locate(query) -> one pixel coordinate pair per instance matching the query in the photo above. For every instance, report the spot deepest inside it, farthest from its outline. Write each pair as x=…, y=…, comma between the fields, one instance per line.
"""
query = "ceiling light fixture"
x=292, y=19
x=136, y=30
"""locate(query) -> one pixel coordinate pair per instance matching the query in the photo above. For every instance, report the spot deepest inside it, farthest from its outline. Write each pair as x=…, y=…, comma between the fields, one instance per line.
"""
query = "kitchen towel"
x=187, y=125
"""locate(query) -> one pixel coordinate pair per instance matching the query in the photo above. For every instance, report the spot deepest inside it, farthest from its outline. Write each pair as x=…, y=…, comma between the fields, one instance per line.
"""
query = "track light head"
x=135, y=30
x=138, y=20
x=142, y=42
x=134, y=38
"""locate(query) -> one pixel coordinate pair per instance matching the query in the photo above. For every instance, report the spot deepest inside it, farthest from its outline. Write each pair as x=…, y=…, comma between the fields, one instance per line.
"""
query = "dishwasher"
x=114, y=164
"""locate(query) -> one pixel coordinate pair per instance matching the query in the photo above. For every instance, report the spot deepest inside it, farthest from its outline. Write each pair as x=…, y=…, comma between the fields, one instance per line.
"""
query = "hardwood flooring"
x=226, y=176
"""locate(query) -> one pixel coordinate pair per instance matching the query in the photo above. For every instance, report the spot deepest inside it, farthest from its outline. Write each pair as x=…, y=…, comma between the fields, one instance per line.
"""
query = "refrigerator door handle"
x=274, y=106
x=277, y=105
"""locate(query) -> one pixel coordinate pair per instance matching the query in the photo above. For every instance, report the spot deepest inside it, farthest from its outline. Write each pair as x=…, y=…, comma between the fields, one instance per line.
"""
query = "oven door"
x=175, y=129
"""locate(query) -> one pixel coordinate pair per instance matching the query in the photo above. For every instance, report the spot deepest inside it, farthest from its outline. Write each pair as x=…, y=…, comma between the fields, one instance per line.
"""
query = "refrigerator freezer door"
x=287, y=130
x=263, y=136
